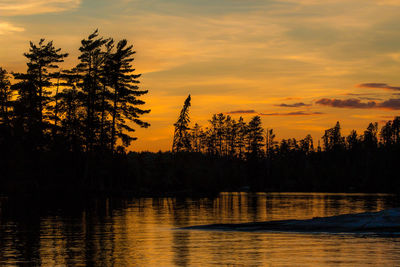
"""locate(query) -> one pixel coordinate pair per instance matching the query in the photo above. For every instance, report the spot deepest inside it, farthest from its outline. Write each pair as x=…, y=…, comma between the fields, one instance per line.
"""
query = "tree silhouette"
x=231, y=131
x=34, y=95
x=352, y=140
x=91, y=61
x=255, y=137
x=370, y=138
x=241, y=137
x=332, y=138
x=269, y=142
x=5, y=98
x=181, y=140
x=196, y=138
x=125, y=93
x=307, y=144
x=71, y=111
x=390, y=132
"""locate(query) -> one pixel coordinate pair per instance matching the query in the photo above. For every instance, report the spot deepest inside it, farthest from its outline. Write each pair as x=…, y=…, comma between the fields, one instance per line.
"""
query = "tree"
x=42, y=58
x=231, y=131
x=352, y=140
x=269, y=142
x=390, y=132
x=34, y=95
x=5, y=109
x=90, y=69
x=212, y=135
x=241, y=136
x=255, y=137
x=307, y=144
x=124, y=94
x=196, y=141
x=181, y=140
x=70, y=110
x=5, y=98
x=370, y=139
x=332, y=138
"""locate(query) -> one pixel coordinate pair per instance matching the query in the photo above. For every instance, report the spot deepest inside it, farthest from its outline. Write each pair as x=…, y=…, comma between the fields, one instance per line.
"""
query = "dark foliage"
x=57, y=125
x=67, y=130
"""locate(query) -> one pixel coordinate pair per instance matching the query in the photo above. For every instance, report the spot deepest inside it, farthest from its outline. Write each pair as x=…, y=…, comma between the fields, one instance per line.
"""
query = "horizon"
x=299, y=64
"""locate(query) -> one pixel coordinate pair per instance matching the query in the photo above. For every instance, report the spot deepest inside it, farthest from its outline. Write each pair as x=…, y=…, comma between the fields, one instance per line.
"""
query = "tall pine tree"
x=181, y=140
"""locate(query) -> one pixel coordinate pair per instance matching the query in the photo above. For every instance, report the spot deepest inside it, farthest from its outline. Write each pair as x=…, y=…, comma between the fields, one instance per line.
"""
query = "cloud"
x=297, y=113
x=250, y=111
x=292, y=98
x=6, y=28
x=379, y=86
x=30, y=7
x=295, y=105
x=392, y=104
x=363, y=96
x=347, y=103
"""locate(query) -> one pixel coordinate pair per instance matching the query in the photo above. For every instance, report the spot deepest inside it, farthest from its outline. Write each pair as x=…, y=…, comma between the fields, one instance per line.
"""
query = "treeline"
x=90, y=108
x=366, y=162
x=225, y=136
x=249, y=157
x=66, y=130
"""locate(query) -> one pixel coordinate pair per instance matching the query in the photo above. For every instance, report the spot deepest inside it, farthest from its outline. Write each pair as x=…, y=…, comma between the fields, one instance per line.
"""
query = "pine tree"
x=5, y=98
x=231, y=132
x=124, y=94
x=42, y=58
x=307, y=144
x=34, y=94
x=352, y=140
x=333, y=139
x=90, y=69
x=196, y=141
x=370, y=139
x=181, y=140
x=255, y=137
x=71, y=110
x=269, y=142
x=390, y=132
x=241, y=137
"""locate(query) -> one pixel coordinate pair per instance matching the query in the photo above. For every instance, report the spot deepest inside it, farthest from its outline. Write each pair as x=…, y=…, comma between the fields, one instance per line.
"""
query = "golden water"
x=142, y=232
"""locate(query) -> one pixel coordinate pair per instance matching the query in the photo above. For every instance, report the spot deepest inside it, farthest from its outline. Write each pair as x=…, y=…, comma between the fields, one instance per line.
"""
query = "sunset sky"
x=300, y=64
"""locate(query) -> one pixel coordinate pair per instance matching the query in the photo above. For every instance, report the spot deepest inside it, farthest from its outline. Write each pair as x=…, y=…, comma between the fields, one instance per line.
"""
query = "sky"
x=301, y=65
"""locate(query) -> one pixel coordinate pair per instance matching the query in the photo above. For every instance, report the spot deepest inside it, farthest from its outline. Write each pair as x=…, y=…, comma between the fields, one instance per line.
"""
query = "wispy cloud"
x=346, y=103
x=392, y=104
x=294, y=105
x=30, y=7
x=250, y=111
x=297, y=113
x=378, y=86
x=292, y=98
x=363, y=96
x=6, y=28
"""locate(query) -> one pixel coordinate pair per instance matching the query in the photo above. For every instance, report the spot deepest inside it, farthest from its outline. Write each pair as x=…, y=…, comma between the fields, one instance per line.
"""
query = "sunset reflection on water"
x=142, y=232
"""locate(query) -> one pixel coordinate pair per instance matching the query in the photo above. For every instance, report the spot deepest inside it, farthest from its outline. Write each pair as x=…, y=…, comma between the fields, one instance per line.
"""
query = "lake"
x=143, y=231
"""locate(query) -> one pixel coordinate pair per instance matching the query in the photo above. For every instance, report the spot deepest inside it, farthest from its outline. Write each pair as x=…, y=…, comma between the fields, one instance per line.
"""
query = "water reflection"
x=138, y=232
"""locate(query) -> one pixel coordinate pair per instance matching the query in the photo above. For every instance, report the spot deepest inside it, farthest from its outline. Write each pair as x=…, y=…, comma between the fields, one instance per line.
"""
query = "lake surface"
x=142, y=232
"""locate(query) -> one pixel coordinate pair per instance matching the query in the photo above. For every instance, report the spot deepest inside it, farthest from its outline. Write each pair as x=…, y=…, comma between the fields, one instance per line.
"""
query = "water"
x=142, y=232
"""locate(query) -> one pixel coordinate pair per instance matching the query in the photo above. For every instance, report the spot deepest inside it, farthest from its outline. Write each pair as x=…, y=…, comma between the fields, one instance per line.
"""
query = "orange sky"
x=233, y=55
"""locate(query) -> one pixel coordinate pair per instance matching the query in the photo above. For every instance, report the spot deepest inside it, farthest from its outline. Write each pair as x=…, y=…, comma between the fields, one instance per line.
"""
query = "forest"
x=68, y=130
